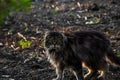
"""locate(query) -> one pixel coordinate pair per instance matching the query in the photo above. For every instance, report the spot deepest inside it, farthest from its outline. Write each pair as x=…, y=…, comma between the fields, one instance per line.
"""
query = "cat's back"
x=92, y=36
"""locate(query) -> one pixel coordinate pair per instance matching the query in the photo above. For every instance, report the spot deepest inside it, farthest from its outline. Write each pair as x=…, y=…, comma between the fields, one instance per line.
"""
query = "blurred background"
x=24, y=22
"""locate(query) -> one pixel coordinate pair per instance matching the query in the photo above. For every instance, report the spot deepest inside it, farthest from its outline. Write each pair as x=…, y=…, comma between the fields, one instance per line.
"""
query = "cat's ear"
x=46, y=32
x=45, y=35
x=64, y=36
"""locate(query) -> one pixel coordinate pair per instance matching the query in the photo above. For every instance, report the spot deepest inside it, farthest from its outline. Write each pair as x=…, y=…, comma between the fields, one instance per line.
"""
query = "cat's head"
x=54, y=41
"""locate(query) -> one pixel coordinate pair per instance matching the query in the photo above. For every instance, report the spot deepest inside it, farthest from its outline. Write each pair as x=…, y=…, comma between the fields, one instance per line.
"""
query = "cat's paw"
x=55, y=79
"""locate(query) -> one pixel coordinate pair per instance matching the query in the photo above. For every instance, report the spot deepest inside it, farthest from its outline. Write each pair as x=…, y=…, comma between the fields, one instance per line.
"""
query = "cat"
x=89, y=49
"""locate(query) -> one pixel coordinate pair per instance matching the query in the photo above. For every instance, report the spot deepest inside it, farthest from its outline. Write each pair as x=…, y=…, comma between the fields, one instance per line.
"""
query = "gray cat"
x=76, y=50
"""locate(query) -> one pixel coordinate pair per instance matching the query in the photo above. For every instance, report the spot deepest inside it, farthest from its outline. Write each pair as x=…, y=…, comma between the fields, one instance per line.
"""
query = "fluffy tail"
x=112, y=58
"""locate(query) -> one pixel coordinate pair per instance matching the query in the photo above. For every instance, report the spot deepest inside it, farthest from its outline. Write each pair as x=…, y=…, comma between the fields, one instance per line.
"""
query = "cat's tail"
x=112, y=58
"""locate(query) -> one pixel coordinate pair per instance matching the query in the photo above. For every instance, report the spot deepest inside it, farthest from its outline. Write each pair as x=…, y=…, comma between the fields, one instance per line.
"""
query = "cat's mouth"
x=54, y=49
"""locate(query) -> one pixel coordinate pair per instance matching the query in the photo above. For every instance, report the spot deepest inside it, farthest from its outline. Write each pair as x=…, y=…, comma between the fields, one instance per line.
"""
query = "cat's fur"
x=89, y=49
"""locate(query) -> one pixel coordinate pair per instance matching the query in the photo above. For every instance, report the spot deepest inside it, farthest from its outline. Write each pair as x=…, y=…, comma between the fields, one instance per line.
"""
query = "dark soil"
x=30, y=63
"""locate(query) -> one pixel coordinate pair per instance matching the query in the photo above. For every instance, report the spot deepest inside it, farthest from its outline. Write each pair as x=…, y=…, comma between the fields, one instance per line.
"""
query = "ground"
x=17, y=63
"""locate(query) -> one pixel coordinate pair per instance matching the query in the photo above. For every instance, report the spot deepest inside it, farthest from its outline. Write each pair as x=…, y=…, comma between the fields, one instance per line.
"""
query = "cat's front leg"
x=60, y=73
